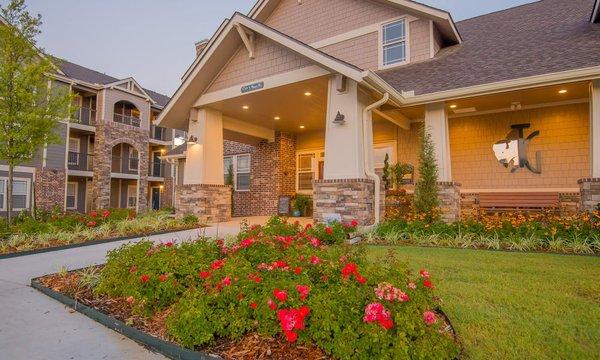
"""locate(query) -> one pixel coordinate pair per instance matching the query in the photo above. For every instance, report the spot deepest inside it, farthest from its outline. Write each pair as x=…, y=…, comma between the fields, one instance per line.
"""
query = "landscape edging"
x=86, y=243
x=166, y=348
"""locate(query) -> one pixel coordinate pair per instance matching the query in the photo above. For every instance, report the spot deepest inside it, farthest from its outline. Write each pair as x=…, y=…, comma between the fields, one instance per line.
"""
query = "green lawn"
x=515, y=305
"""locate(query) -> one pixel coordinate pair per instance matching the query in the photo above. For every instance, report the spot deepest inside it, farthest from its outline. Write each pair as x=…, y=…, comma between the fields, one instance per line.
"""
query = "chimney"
x=200, y=45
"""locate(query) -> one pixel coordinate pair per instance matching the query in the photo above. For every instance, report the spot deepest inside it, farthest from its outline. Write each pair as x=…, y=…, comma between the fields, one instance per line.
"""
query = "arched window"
x=127, y=113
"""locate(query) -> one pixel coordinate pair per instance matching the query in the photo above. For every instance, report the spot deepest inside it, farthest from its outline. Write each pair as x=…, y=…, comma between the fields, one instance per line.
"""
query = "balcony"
x=127, y=120
x=84, y=116
x=80, y=161
x=125, y=165
x=158, y=133
x=156, y=170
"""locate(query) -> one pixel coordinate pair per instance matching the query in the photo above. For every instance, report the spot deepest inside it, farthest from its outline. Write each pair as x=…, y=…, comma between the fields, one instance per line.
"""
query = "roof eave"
x=595, y=17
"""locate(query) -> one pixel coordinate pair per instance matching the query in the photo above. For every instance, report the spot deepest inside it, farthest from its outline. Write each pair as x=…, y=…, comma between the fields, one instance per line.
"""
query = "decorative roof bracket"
x=247, y=37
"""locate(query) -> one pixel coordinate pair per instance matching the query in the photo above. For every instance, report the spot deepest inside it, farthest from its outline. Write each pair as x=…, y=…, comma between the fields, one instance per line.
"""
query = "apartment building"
x=110, y=154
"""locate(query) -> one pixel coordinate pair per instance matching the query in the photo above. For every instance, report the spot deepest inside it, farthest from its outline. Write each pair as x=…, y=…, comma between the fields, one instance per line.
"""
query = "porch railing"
x=156, y=169
x=158, y=133
x=85, y=116
x=80, y=161
x=127, y=120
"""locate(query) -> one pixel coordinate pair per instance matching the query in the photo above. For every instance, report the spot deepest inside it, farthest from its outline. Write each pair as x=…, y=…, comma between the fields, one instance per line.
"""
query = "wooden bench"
x=508, y=201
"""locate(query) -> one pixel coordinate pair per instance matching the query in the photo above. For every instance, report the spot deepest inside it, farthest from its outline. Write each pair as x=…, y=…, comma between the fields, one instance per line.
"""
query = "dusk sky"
x=153, y=40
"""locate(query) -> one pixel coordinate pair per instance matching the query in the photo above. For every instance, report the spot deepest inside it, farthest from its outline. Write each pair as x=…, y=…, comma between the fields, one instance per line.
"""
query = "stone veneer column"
x=49, y=188
x=449, y=195
x=352, y=199
x=210, y=203
x=166, y=197
x=590, y=193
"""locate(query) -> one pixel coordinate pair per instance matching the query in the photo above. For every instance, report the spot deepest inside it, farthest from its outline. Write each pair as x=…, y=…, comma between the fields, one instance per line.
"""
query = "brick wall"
x=49, y=188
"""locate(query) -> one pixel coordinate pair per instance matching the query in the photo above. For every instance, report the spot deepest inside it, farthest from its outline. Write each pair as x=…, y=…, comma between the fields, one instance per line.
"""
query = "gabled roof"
x=226, y=42
x=536, y=39
x=442, y=19
x=132, y=87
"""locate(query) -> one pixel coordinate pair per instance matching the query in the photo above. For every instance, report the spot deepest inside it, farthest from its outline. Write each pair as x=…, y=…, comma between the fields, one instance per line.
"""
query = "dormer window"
x=394, y=43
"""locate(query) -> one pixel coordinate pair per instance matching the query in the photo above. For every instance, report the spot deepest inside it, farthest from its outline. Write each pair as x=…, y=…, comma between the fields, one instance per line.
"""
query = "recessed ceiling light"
x=308, y=93
x=563, y=91
x=245, y=107
x=453, y=106
x=277, y=118
x=302, y=126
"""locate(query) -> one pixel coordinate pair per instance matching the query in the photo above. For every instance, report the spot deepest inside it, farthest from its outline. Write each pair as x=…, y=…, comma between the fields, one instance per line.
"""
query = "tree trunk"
x=9, y=191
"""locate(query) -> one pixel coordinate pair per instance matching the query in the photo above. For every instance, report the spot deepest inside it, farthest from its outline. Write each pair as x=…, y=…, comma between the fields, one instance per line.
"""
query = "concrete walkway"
x=34, y=326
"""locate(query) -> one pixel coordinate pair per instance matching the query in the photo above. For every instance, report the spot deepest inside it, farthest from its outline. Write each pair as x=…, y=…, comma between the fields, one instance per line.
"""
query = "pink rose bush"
x=281, y=280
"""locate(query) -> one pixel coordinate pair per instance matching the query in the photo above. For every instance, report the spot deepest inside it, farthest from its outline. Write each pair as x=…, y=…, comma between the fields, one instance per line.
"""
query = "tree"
x=30, y=109
x=426, y=199
x=386, y=172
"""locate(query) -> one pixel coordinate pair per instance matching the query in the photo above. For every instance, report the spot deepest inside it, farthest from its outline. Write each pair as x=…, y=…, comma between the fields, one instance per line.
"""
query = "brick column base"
x=449, y=194
x=166, y=197
x=590, y=193
x=49, y=189
x=352, y=199
x=210, y=203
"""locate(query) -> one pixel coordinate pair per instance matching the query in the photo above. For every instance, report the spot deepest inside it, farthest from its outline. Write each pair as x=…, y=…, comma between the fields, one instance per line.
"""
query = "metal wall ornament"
x=512, y=151
x=340, y=119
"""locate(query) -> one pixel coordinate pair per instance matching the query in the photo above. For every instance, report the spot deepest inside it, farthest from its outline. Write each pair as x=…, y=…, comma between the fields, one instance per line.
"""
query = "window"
x=2, y=190
x=19, y=195
x=306, y=173
x=72, y=195
x=241, y=171
x=131, y=196
x=74, y=148
x=133, y=159
x=394, y=42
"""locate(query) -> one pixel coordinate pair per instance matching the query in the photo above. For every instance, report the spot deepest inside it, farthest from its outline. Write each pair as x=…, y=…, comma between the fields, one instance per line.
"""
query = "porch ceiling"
x=288, y=102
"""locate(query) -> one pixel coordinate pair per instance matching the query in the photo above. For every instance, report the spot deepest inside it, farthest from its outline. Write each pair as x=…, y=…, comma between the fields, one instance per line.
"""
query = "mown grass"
x=515, y=305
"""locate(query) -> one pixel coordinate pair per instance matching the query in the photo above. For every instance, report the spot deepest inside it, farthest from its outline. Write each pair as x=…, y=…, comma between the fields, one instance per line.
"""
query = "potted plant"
x=301, y=205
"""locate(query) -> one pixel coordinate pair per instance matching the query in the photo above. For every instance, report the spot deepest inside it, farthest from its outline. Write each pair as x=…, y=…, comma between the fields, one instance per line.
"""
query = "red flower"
x=361, y=280
x=246, y=243
x=429, y=318
x=376, y=312
x=133, y=269
x=93, y=214
x=349, y=269
x=280, y=295
x=163, y=277
x=272, y=304
x=329, y=230
x=226, y=281
x=303, y=290
x=204, y=274
x=92, y=224
x=315, y=260
x=424, y=273
x=144, y=278
x=298, y=270
x=169, y=244
x=354, y=223
x=315, y=242
x=292, y=319
x=217, y=264
x=253, y=305
x=105, y=214
x=130, y=300
x=291, y=336
x=428, y=284
x=308, y=226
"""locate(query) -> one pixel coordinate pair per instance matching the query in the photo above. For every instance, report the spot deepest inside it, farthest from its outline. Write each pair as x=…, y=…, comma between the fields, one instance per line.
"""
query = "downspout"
x=370, y=174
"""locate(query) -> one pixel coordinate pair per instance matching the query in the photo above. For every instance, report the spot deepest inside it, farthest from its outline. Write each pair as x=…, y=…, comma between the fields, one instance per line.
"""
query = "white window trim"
x=131, y=151
x=380, y=46
x=234, y=161
x=78, y=141
x=4, y=206
x=76, y=194
x=129, y=188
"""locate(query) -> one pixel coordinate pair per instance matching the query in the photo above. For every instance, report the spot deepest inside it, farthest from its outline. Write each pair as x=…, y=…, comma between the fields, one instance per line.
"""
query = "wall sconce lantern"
x=192, y=140
x=340, y=119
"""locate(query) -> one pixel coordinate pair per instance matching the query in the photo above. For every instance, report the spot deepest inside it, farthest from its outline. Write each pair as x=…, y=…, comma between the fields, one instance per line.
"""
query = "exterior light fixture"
x=563, y=91
x=192, y=140
x=308, y=93
x=245, y=107
x=302, y=126
x=277, y=118
x=162, y=187
x=453, y=106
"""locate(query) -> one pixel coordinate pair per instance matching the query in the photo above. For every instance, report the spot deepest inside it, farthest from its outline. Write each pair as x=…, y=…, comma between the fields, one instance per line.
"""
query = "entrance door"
x=155, y=198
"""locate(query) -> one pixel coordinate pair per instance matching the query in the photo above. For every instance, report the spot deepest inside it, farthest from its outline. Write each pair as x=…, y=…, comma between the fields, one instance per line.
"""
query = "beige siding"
x=270, y=59
x=361, y=51
x=316, y=20
x=438, y=42
x=420, y=46
x=112, y=96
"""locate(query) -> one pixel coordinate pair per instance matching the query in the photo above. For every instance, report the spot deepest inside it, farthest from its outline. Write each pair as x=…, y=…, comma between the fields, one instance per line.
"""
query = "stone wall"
x=590, y=193
x=166, y=198
x=210, y=203
x=49, y=188
x=352, y=199
x=449, y=194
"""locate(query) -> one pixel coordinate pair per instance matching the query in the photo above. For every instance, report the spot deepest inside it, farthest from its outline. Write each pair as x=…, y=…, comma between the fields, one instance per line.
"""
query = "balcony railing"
x=158, y=133
x=125, y=165
x=127, y=120
x=84, y=116
x=156, y=169
x=80, y=161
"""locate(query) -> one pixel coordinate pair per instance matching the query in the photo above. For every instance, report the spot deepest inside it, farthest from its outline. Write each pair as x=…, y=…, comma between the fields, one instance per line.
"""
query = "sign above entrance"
x=253, y=87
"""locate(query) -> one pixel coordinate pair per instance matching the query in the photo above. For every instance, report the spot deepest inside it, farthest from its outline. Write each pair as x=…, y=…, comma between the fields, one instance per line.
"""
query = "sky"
x=153, y=40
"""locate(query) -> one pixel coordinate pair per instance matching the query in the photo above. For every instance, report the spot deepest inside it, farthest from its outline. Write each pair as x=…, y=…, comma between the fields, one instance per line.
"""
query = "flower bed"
x=62, y=229
x=275, y=288
x=542, y=231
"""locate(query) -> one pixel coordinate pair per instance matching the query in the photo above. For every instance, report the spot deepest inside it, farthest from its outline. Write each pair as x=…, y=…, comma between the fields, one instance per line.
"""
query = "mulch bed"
x=251, y=346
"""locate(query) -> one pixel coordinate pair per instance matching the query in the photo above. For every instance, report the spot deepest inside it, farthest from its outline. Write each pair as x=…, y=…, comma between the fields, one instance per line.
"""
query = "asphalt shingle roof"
x=534, y=39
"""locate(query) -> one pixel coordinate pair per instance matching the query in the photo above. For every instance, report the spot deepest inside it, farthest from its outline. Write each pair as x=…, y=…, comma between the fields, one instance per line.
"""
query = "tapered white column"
x=344, y=140
x=204, y=161
x=436, y=122
x=595, y=128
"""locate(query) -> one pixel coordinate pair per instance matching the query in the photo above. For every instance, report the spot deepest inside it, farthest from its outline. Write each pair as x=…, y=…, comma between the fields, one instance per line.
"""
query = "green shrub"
x=190, y=219
x=426, y=199
x=260, y=283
